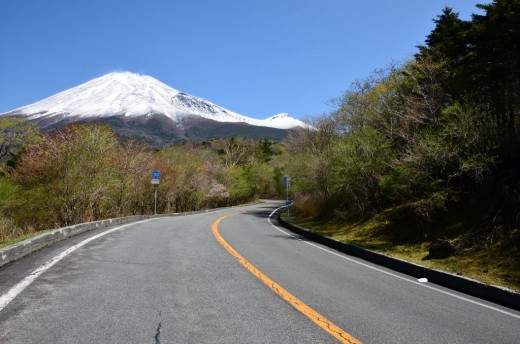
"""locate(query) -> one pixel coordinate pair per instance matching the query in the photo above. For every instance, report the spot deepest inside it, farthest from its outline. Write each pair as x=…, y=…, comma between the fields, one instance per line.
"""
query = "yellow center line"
x=310, y=313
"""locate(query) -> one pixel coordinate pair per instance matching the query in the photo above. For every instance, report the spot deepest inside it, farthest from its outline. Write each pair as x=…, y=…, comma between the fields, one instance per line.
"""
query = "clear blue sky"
x=254, y=57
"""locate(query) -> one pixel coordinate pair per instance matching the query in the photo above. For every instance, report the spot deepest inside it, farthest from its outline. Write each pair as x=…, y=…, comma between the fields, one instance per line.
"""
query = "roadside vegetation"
x=421, y=150
x=426, y=149
x=83, y=173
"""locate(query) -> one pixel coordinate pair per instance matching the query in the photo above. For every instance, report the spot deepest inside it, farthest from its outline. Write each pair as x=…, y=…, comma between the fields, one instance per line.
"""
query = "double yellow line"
x=310, y=313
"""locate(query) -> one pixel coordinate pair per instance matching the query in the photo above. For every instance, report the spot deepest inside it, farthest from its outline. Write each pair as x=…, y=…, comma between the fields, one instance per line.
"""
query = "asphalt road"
x=169, y=280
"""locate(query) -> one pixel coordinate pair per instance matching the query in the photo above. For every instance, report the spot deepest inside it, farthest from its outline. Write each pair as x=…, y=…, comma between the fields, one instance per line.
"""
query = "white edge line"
x=389, y=273
x=6, y=298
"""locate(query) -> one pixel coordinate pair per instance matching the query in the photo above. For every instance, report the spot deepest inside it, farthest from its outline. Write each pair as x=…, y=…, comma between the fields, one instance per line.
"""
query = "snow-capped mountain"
x=130, y=96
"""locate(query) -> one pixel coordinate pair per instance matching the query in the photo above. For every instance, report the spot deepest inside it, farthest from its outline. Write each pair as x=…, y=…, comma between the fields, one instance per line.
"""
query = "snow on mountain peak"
x=278, y=116
x=132, y=95
x=284, y=121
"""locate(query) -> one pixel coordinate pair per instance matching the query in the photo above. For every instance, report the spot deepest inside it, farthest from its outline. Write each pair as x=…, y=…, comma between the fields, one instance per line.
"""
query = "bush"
x=9, y=230
x=309, y=205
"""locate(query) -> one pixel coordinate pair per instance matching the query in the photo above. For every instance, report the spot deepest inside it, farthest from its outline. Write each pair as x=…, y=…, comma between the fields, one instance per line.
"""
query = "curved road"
x=170, y=280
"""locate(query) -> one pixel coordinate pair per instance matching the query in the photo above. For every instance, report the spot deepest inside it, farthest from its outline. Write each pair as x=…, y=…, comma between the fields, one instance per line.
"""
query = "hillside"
x=424, y=150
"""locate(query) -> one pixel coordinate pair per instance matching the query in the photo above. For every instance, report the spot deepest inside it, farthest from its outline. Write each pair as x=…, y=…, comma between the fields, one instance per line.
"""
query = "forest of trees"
x=427, y=135
x=436, y=133
x=84, y=173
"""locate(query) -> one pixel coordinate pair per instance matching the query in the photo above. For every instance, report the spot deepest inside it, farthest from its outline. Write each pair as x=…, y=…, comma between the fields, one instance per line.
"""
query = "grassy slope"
x=482, y=225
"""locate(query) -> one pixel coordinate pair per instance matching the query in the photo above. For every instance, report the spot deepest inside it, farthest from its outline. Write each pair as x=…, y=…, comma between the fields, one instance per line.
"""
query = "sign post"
x=155, y=182
x=287, y=182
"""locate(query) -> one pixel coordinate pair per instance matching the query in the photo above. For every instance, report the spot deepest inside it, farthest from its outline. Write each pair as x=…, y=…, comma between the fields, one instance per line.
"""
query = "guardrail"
x=23, y=248
x=499, y=295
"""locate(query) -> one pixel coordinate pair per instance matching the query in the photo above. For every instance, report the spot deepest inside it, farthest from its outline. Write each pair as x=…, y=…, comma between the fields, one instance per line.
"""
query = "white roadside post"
x=155, y=182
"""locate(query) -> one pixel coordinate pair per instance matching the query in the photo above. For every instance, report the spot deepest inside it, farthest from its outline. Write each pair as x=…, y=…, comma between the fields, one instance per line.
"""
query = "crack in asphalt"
x=84, y=257
x=158, y=333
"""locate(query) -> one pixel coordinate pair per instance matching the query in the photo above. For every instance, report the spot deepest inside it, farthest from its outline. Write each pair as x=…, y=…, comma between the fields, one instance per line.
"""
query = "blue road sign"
x=156, y=175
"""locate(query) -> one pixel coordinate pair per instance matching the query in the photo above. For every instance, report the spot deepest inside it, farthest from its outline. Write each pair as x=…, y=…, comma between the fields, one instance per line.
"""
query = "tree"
x=234, y=152
x=16, y=133
x=311, y=155
x=264, y=150
x=449, y=37
x=495, y=49
x=483, y=55
x=396, y=101
x=360, y=160
x=68, y=176
x=132, y=163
